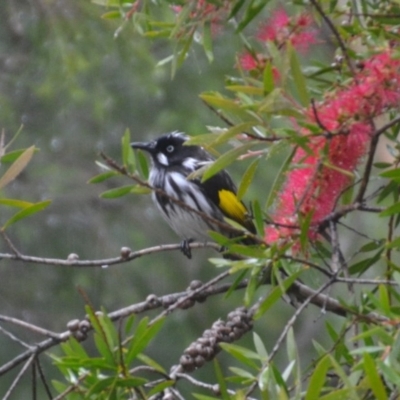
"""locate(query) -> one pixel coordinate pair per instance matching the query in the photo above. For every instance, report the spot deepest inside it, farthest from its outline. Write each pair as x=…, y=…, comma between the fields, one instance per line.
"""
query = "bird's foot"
x=185, y=248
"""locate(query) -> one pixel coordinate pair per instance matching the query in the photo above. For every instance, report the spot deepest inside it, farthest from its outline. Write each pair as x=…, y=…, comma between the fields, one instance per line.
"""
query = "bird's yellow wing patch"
x=231, y=206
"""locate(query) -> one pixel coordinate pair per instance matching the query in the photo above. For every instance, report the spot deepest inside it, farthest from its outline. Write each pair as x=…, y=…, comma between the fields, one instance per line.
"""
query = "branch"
x=75, y=262
x=19, y=376
x=152, y=302
x=371, y=153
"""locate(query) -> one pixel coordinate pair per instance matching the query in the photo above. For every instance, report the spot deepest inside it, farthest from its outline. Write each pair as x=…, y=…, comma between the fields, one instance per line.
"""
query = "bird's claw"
x=185, y=248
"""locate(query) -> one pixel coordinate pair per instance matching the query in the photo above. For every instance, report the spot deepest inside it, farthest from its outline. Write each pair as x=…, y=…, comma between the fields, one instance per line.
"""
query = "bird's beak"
x=145, y=146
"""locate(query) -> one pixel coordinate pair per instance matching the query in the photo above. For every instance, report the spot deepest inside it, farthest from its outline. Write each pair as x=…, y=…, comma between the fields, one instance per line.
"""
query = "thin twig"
x=14, y=338
x=43, y=378
x=19, y=376
x=121, y=313
x=370, y=159
x=69, y=389
x=335, y=32
x=31, y=327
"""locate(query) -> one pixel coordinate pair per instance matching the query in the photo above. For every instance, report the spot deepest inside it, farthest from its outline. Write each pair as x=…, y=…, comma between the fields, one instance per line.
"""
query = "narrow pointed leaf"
x=317, y=379
x=16, y=203
x=299, y=79
x=26, y=212
x=375, y=380
x=17, y=167
x=207, y=41
x=247, y=178
x=226, y=159
x=102, y=177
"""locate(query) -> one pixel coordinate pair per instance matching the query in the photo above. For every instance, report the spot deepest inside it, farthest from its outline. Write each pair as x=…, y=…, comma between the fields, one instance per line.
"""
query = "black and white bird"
x=172, y=163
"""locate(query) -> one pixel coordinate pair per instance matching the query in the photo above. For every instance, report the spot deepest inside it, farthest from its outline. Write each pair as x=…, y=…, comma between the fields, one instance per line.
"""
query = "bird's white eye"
x=170, y=148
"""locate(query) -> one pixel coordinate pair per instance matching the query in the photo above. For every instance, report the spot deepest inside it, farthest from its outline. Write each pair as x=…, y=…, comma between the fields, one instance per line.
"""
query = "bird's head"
x=169, y=150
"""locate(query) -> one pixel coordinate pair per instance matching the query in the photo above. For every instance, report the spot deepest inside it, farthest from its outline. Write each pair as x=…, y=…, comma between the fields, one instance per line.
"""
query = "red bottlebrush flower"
x=282, y=29
x=248, y=62
x=274, y=26
x=256, y=62
x=202, y=10
x=329, y=162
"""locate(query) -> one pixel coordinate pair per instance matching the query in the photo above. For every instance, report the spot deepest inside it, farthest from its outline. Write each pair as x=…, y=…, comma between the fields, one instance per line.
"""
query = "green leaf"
x=304, y=228
x=59, y=386
x=102, y=337
x=73, y=348
x=393, y=174
x=258, y=217
x=129, y=324
x=253, y=90
x=395, y=243
x=260, y=348
x=239, y=279
x=26, y=212
x=235, y=9
x=231, y=132
x=207, y=41
x=279, y=180
x=375, y=381
x=13, y=155
x=180, y=58
x=291, y=345
x=247, y=178
x=393, y=209
x=253, y=284
x=119, y=192
x=299, y=79
x=16, y=203
x=384, y=299
x=160, y=388
x=363, y=265
x=374, y=245
x=151, y=363
x=204, y=397
x=389, y=373
x=243, y=373
x=143, y=335
x=221, y=381
x=226, y=159
x=268, y=78
x=218, y=101
x=128, y=156
x=253, y=9
x=110, y=382
x=242, y=354
x=105, y=350
x=111, y=15
x=17, y=166
x=102, y=177
x=143, y=164
x=139, y=189
x=343, y=375
x=317, y=379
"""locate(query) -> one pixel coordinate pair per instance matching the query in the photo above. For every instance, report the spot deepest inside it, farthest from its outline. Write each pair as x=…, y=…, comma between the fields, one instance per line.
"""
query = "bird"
x=172, y=163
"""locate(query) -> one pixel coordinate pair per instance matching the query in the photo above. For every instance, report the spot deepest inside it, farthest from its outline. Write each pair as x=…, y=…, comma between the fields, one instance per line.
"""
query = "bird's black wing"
x=221, y=190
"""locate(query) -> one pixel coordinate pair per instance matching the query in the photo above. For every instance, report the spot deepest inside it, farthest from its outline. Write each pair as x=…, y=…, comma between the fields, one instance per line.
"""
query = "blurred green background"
x=76, y=88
